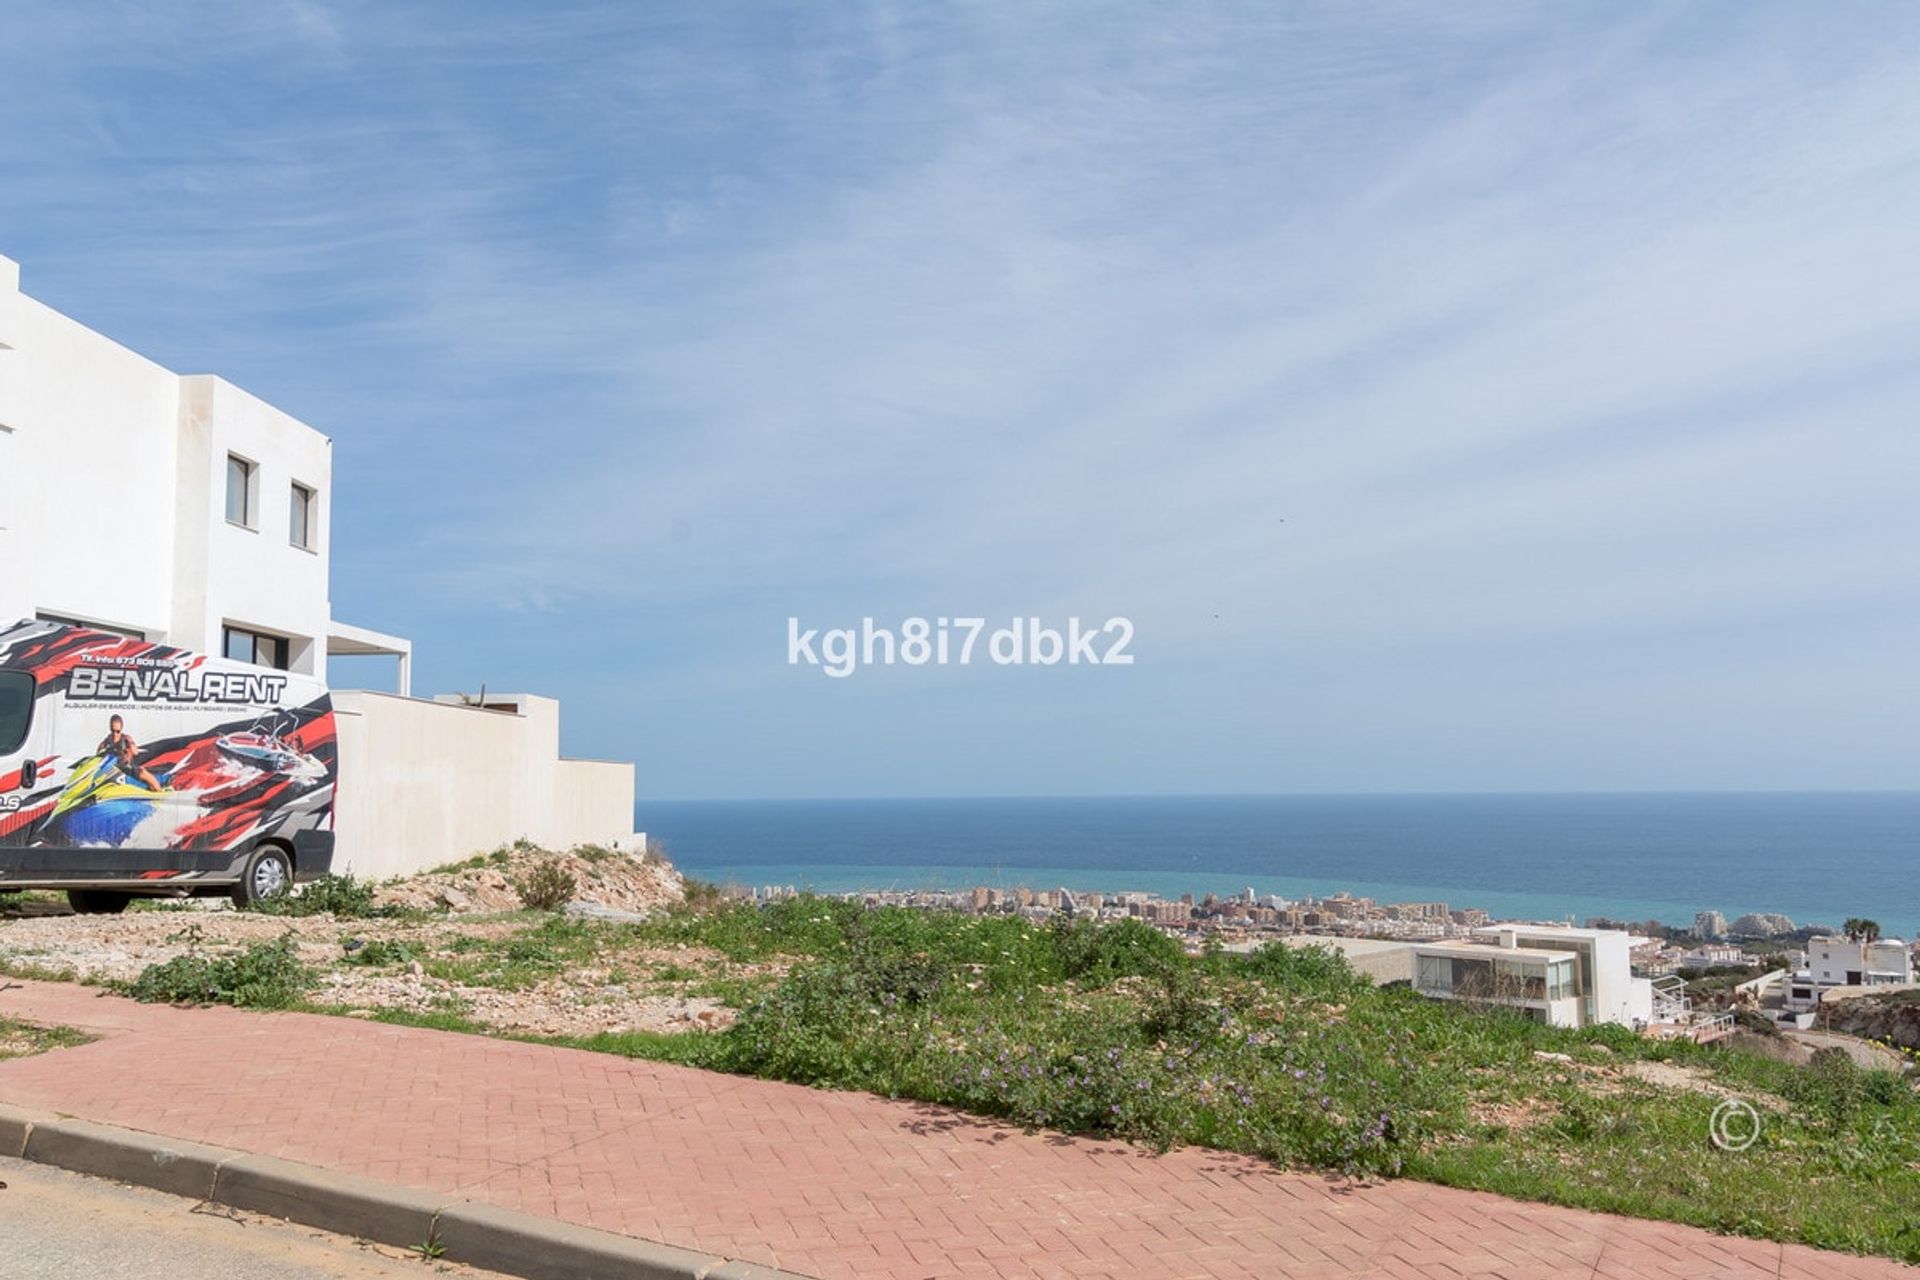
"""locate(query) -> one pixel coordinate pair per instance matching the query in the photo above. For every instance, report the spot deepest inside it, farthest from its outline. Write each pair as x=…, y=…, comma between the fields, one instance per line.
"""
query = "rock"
x=596, y=911
x=1545, y=1056
x=1893, y=1017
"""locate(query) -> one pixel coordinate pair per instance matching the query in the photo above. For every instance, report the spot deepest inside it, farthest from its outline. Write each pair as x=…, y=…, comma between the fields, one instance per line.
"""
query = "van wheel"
x=268, y=874
x=97, y=902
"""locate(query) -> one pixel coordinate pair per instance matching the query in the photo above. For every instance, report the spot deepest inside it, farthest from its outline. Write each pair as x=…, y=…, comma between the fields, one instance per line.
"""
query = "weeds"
x=340, y=896
x=545, y=888
x=265, y=975
x=377, y=952
x=22, y=1039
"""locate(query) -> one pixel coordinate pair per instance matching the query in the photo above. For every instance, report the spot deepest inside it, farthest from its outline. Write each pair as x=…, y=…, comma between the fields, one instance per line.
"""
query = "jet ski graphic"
x=269, y=753
x=102, y=805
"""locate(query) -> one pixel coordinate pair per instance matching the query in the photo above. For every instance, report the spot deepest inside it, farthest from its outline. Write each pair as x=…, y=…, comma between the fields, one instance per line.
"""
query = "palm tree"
x=1859, y=930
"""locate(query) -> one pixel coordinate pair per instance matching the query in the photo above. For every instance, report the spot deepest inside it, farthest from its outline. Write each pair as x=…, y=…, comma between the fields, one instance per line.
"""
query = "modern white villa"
x=1558, y=974
x=1834, y=963
x=180, y=509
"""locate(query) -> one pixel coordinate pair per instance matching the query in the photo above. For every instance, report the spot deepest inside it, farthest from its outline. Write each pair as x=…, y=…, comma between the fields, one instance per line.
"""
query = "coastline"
x=837, y=879
x=1813, y=857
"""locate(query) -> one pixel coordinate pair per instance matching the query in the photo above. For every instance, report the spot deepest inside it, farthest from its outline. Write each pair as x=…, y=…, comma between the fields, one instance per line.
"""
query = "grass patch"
x=23, y=1039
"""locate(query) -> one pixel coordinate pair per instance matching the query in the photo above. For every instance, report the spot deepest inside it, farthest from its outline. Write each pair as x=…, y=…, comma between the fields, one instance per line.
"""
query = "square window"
x=300, y=514
x=252, y=646
x=240, y=487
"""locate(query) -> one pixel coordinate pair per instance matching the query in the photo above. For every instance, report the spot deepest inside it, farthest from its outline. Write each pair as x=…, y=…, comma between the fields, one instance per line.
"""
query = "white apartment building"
x=1560, y=975
x=176, y=509
x=181, y=509
x=1834, y=962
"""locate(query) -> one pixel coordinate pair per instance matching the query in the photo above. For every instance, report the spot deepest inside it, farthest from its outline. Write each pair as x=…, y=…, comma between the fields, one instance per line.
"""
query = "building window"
x=16, y=709
x=242, y=476
x=256, y=647
x=300, y=517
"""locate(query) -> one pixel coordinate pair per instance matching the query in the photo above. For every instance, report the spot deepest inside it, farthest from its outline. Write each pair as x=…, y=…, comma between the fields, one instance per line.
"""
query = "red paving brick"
x=835, y=1185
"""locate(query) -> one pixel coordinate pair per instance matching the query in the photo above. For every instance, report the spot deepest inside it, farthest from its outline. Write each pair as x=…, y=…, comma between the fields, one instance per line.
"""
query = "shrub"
x=339, y=896
x=1313, y=970
x=266, y=975
x=1097, y=954
x=545, y=888
x=379, y=951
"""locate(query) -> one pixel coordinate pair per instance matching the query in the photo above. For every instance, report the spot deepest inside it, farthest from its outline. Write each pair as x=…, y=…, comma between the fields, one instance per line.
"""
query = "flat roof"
x=1491, y=951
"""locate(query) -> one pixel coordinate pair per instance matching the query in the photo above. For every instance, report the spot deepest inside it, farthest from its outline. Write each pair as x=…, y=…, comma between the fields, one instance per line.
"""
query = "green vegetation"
x=547, y=887
x=1858, y=929
x=265, y=975
x=498, y=857
x=341, y=896
x=1287, y=1054
x=1113, y=1030
x=22, y=1039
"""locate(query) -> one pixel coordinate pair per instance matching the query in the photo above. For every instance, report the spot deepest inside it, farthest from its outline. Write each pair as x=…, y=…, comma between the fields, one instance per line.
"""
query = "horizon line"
x=1287, y=795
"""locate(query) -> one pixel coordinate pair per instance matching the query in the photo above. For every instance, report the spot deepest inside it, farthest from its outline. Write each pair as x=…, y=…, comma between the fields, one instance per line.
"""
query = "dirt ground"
x=464, y=948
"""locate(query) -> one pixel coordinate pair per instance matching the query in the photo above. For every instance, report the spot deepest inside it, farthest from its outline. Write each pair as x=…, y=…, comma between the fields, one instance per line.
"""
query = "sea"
x=1816, y=857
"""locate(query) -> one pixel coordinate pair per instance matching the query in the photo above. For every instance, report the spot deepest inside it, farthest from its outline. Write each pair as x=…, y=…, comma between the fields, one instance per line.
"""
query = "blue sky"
x=1454, y=397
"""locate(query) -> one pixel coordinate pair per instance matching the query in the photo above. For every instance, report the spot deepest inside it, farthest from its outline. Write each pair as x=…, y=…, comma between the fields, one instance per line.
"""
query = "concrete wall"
x=426, y=783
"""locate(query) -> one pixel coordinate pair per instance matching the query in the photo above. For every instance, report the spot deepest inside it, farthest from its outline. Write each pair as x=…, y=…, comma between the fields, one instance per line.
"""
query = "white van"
x=129, y=768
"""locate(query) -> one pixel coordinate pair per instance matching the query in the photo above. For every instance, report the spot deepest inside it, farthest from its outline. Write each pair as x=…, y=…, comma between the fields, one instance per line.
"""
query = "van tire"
x=268, y=874
x=97, y=902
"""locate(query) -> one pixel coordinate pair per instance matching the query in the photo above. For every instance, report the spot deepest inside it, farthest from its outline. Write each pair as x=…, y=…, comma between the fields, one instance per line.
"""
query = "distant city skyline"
x=1452, y=399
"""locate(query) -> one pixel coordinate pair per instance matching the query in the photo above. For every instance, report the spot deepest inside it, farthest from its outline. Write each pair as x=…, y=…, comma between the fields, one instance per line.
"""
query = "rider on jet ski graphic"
x=110, y=793
x=126, y=753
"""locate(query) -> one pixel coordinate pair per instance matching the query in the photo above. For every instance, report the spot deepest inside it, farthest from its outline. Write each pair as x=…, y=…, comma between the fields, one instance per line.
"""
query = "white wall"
x=249, y=577
x=90, y=514
x=427, y=783
x=115, y=493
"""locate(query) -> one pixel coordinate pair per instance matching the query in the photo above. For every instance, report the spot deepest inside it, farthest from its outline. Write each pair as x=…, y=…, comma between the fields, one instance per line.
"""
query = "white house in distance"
x=1558, y=974
x=183, y=510
x=1834, y=963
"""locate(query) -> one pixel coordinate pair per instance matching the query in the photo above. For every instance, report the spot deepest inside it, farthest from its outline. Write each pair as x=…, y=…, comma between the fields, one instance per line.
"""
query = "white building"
x=1560, y=975
x=181, y=509
x=1835, y=962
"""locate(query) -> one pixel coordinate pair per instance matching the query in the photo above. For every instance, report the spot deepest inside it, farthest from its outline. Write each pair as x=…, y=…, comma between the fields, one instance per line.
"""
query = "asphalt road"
x=55, y=1224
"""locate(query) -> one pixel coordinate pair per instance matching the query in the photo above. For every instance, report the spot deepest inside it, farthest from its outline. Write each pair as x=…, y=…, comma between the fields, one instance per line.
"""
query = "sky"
x=1451, y=397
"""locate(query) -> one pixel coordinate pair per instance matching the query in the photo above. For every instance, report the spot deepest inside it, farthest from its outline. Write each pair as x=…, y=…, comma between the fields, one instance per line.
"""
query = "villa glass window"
x=300, y=515
x=240, y=486
x=252, y=646
x=16, y=709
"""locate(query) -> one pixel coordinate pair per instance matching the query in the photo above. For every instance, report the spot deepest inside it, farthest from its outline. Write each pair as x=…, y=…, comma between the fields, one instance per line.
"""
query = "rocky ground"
x=605, y=878
x=460, y=945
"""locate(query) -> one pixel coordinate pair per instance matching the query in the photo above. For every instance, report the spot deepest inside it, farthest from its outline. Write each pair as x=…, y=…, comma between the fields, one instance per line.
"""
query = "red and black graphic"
x=138, y=746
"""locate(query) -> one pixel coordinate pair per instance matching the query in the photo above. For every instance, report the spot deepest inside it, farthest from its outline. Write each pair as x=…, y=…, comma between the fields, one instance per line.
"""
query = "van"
x=131, y=769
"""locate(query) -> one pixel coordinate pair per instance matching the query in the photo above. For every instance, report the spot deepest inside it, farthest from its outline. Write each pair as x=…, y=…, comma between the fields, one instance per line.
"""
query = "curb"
x=479, y=1235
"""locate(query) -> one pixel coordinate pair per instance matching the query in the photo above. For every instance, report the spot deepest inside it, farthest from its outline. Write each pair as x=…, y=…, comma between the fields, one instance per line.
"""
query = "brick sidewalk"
x=837, y=1185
